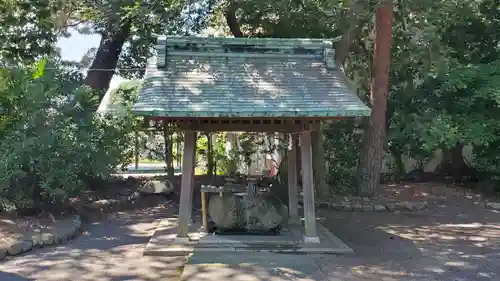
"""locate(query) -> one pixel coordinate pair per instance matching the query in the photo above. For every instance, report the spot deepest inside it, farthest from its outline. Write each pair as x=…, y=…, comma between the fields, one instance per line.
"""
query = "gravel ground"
x=456, y=238
x=108, y=251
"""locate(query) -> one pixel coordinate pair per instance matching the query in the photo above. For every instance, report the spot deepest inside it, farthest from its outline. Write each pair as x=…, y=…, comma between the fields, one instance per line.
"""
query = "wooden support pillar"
x=204, y=211
x=293, y=208
x=310, y=235
x=186, y=199
x=297, y=157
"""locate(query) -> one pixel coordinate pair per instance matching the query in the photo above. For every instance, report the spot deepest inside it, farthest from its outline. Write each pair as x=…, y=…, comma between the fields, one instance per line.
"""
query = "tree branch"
x=232, y=21
x=349, y=26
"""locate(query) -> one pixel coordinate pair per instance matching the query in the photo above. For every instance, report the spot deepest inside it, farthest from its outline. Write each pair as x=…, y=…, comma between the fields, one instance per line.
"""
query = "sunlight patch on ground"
x=464, y=225
x=474, y=232
x=436, y=270
x=117, y=263
x=370, y=270
x=486, y=275
x=457, y=264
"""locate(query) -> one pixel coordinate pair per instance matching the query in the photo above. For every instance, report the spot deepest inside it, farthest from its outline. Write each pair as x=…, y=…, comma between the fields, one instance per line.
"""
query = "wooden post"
x=293, y=209
x=298, y=158
x=310, y=235
x=186, y=184
x=204, y=210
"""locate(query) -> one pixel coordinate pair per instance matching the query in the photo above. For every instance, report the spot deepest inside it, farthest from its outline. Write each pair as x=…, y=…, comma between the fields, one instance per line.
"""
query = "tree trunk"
x=370, y=163
x=319, y=169
x=178, y=152
x=453, y=163
x=232, y=20
x=103, y=66
x=214, y=144
x=398, y=165
x=210, y=155
x=169, y=158
x=457, y=158
x=280, y=188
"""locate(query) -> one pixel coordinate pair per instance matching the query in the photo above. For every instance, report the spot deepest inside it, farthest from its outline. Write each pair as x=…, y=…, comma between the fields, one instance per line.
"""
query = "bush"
x=342, y=162
x=52, y=141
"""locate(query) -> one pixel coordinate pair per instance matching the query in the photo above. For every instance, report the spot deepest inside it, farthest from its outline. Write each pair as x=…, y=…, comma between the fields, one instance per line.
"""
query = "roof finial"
x=161, y=50
x=329, y=58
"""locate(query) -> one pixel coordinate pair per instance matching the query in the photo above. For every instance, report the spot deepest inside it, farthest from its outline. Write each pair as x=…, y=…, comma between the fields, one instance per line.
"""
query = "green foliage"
x=139, y=22
x=471, y=115
x=40, y=68
x=224, y=162
x=28, y=30
x=461, y=97
x=247, y=147
x=444, y=85
x=444, y=80
x=292, y=19
x=342, y=162
x=50, y=147
x=443, y=76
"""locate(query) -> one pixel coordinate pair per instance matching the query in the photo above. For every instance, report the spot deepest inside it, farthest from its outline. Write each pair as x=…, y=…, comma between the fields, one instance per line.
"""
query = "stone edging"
x=492, y=205
x=69, y=228
x=151, y=189
x=372, y=206
x=61, y=232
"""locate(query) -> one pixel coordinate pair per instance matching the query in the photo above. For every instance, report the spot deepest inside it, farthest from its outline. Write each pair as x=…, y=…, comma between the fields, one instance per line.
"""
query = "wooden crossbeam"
x=247, y=125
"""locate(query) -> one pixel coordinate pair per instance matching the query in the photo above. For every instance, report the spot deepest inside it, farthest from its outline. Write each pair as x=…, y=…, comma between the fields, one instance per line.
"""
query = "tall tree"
x=370, y=164
x=128, y=30
x=349, y=27
x=285, y=19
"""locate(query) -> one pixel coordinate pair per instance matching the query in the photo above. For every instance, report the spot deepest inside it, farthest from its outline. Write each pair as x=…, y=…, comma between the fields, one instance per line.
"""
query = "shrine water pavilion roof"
x=196, y=77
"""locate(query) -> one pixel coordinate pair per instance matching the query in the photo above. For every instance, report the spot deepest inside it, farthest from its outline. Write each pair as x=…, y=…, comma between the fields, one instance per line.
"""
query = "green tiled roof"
x=245, y=77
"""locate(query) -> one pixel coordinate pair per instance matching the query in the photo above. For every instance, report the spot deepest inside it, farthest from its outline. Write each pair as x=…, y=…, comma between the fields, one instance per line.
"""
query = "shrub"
x=342, y=162
x=52, y=141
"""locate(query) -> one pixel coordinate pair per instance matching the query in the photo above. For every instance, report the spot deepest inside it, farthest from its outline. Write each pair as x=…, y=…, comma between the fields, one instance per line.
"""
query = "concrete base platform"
x=251, y=267
x=164, y=242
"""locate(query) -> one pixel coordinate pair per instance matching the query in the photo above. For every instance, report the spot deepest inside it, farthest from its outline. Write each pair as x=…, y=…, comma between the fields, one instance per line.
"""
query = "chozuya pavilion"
x=248, y=85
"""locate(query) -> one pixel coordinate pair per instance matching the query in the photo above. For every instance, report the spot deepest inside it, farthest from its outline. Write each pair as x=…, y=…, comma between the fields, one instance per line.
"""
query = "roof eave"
x=274, y=115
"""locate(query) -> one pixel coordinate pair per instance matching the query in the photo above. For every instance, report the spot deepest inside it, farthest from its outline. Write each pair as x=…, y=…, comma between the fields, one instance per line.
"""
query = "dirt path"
x=109, y=251
x=455, y=239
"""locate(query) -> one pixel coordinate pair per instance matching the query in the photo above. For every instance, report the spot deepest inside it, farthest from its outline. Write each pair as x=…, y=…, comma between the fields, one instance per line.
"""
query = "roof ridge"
x=272, y=48
x=313, y=43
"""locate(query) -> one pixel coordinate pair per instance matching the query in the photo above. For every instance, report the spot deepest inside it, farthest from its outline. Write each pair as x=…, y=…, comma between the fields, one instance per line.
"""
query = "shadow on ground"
x=251, y=267
x=108, y=251
x=455, y=239
x=12, y=277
